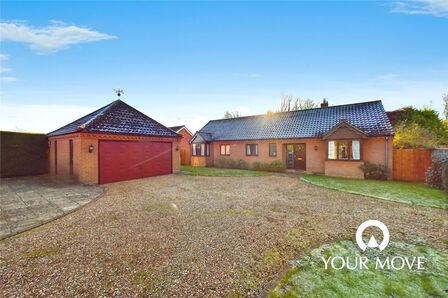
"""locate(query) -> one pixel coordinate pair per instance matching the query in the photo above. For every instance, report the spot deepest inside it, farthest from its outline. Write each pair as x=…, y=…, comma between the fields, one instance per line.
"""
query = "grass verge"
x=309, y=278
x=203, y=171
x=403, y=192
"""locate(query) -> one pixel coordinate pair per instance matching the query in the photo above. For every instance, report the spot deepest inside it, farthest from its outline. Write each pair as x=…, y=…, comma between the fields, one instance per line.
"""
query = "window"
x=200, y=149
x=225, y=149
x=344, y=150
x=273, y=149
x=251, y=149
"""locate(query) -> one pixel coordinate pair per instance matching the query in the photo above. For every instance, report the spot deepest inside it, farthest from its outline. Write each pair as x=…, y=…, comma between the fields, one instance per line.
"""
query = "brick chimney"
x=324, y=103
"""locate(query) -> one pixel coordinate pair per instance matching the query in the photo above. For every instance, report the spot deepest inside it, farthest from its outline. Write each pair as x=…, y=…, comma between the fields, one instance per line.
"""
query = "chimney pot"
x=324, y=103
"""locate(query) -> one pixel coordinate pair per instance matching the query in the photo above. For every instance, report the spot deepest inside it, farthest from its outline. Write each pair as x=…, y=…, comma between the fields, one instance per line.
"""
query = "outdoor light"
x=316, y=147
x=90, y=148
x=177, y=147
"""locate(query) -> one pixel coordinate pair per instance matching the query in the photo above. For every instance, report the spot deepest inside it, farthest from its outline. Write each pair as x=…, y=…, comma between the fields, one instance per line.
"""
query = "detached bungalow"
x=114, y=143
x=333, y=140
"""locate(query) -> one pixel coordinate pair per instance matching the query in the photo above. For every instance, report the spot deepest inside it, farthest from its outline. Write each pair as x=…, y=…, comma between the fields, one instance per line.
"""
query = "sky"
x=184, y=63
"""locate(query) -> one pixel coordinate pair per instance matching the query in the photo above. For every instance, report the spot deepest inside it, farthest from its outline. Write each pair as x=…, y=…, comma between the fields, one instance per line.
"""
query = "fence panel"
x=411, y=164
x=184, y=157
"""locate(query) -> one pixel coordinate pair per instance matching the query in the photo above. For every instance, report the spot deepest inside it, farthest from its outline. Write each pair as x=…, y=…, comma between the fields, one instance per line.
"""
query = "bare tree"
x=232, y=114
x=285, y=104
x=303, y=104
x=289, y=103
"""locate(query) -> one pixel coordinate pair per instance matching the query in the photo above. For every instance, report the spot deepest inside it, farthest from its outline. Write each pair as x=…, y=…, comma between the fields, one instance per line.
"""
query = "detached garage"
x=114, y=143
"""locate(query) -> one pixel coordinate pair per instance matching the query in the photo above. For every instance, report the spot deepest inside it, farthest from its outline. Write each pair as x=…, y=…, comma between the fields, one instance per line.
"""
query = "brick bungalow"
x=114, y=143
x=185, y=152
x=330, y=140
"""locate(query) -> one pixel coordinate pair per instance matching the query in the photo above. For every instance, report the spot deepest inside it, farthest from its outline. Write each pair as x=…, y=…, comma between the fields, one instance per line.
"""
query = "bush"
x=437, y=173
x=374, y=171
x=274, y=166
x=228, y=163
x=241, y=164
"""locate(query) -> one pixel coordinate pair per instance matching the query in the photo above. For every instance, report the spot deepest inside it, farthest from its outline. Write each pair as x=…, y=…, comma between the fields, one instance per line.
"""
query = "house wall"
x=63, y=155
x=314, y=158
x=85, y=164
x=372, y=150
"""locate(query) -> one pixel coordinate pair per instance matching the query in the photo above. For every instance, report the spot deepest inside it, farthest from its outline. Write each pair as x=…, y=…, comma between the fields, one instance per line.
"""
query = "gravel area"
x=195, y=236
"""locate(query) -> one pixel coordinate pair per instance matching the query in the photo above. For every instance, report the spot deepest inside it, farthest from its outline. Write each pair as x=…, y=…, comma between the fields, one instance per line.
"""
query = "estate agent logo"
x=372, y=242
x=376, y=261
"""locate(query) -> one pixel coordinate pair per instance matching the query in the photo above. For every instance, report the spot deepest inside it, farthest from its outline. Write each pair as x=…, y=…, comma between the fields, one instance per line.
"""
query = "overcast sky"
x=188, y=62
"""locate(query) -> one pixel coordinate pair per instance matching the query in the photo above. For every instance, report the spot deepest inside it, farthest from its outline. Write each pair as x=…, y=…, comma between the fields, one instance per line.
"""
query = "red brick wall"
x=314, y=158
x=372, y=149
x=86, y=164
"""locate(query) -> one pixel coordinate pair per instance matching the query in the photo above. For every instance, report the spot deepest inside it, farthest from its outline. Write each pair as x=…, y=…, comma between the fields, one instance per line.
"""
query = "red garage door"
x=126, y=160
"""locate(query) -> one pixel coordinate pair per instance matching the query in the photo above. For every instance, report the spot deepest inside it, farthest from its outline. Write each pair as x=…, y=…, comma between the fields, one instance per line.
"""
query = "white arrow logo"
x=372, y=242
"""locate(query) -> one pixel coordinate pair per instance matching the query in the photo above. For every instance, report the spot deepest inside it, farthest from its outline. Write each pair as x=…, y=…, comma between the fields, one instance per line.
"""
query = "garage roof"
x=117, y=118
x=368, y=117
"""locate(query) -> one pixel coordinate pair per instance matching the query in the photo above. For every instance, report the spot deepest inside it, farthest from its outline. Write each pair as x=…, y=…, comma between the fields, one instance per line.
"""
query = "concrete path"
x=27, y=202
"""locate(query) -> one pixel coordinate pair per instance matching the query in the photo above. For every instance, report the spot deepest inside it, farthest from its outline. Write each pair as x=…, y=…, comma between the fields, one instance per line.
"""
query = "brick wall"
x=372, y=149
x=314, y=157
x=85, y=163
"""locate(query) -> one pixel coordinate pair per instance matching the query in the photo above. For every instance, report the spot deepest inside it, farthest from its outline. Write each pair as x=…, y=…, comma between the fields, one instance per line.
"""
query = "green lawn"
x=309, y=278
x=202, y=171
x=404, y=192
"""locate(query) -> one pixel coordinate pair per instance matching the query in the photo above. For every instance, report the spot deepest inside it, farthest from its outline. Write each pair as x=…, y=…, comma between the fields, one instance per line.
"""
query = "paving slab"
x=27, y=202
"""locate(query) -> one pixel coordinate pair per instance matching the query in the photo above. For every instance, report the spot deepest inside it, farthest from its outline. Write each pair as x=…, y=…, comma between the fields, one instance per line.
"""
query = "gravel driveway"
x=195, y=236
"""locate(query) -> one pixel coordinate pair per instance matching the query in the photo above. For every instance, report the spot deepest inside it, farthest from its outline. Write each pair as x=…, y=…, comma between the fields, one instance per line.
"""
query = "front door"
x=296, y=156
x=300, y=157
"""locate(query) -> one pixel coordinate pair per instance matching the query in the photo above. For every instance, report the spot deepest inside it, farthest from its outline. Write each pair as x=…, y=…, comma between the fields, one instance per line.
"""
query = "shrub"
x=228, y=163
x=374, y=171
x=274, y=166
x=241, y=164
x=223, y=162
x=437, y=173
x=277, y=166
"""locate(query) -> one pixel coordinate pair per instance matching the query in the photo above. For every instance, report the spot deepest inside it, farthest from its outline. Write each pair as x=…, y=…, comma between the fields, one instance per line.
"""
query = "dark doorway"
x=296, y=156
x=71, y=156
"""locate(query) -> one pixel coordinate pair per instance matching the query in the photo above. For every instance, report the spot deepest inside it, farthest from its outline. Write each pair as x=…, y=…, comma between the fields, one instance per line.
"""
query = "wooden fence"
x=411, y=164
x=184, y=157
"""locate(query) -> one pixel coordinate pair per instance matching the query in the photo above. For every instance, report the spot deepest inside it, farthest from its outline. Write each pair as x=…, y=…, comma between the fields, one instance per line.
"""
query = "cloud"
x=5, y=69
x=3, y=57
x=52, y=38
x=438, y=8
x=41, y=118
x=7, y=79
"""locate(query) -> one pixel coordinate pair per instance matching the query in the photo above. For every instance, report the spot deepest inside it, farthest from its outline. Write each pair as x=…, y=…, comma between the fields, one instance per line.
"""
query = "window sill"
x=349, y=160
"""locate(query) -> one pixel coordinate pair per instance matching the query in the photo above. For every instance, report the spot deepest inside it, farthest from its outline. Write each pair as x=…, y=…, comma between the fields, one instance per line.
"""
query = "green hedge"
x=23, y=154
x=227, y=163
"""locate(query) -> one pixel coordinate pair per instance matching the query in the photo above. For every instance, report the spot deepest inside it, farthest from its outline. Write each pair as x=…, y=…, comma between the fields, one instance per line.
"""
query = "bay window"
x=344, y=150
x=200, y=149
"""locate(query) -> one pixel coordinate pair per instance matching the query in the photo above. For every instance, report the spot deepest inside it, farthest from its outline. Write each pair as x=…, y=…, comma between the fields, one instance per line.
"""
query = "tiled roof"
x=117, y=118
x=369, y=117
x=176, y=128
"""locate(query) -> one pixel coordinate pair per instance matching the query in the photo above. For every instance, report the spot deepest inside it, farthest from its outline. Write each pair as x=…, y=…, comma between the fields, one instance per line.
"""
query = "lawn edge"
x=369, y=196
